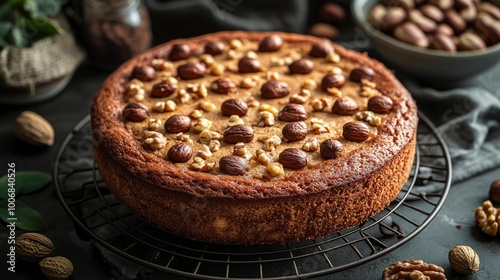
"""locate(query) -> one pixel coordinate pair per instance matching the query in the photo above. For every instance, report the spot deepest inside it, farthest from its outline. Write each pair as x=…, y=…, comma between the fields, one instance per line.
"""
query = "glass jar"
x=115, y=30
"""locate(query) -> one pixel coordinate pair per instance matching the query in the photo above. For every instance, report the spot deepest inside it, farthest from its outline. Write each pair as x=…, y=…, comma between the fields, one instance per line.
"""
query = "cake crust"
x=304, y=204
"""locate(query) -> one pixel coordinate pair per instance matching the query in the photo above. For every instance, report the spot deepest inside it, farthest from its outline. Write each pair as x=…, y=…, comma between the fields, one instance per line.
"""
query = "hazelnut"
x=191, y=71
x=270, y=43
x=324, y=30
x=135, y=112
x=495, y=191
x=332, y=13
x=293, y=158
x=443, y=43
x=295, y=131
x=223, y=86
x=274, y=89
x=345, y=106
x=380, y=104
x=432, y=12
x=248, y=65
x=330, y=149
x=293, y=112
x=356, y=131
x=361, y=73
x=301, y=66
x=181, y=152
x=214, y=47
x=234, y=107
x=233, y=165
x=321, y=49
x=144, y=73
x=179, y=52
x=238, y=133
x=456, y=22
x=163, y=89
x=177, y=123
x=332, y=80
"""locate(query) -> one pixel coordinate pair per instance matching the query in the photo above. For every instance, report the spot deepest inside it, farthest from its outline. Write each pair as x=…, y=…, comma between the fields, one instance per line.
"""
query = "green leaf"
x=19, y=37
x=4, y=29
x=48, y=8
x=43, y=27
x=27, y=218
x=5, y=11
x=24, y=182
x=31, y=7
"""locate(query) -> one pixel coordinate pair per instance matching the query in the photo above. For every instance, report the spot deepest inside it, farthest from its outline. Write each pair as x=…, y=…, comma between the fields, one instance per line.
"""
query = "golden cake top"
x=259, y=109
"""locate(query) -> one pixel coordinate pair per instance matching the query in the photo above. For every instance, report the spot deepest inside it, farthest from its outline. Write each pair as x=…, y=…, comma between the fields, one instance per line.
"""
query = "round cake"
x=254, y=137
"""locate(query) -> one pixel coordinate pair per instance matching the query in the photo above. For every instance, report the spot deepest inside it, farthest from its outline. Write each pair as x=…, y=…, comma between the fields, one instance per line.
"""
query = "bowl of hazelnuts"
x=436, y=41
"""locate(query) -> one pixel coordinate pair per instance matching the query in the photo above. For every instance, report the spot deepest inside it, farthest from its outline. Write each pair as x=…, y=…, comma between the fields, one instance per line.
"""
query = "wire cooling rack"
x=102, y=218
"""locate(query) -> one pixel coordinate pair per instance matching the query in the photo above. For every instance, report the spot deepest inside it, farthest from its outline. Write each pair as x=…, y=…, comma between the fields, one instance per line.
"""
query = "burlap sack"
x=48, y=59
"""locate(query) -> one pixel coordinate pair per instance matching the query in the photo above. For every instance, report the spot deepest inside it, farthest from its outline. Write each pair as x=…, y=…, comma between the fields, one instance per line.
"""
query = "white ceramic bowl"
x=424, y=64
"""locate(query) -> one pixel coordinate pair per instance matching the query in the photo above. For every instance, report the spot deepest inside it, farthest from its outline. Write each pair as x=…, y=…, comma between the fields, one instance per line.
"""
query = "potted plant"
x=38, y=53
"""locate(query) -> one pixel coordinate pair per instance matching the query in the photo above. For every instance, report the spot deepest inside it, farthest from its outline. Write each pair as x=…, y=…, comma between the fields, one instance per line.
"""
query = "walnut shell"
x=56, y=268
x=33, y=129
x=33, y=246
x=464, y=260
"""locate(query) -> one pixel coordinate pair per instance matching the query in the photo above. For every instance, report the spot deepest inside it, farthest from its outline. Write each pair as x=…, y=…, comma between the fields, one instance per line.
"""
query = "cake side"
x=260, y=221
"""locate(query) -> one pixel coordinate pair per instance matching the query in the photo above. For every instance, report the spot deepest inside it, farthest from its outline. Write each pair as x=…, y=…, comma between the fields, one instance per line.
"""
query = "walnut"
x=488, y=218
x=241, y=150
x=464, y=260
x=318, y=126
x=235, y=44
x=202, y=165
x=277, y=61
x=263, y=157
x=311, y=145
x=196, y=114
x=207, y=106
x=208, y=59
x=333, y=57
x=414, y=270
x=309, y=84
x=207, y=135
x=153, y=140
x=154, y=124
x=202, y=124
x=369, y=117
x=272, y=75
x=275, y=169
x=204, y=152
x=214, y=145
x=162, y=64
x=368, y=91
x=183, y=96
x=319, y=104
x=335, y=92
x=217, y=69
x=252, y=54
x=164, y=106
x=270, y=142
x=269, y=108
x=248, y=82
x=266, y=119
x=302, y=97
x=235, y=120
x=184, y=137
x=252, y=102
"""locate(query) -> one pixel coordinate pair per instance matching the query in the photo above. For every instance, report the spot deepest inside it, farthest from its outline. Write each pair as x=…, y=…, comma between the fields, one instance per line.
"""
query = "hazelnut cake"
x=254, y=137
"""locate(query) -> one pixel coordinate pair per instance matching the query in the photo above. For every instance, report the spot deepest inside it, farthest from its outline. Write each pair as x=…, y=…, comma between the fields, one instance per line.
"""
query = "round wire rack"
x=100, y=217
